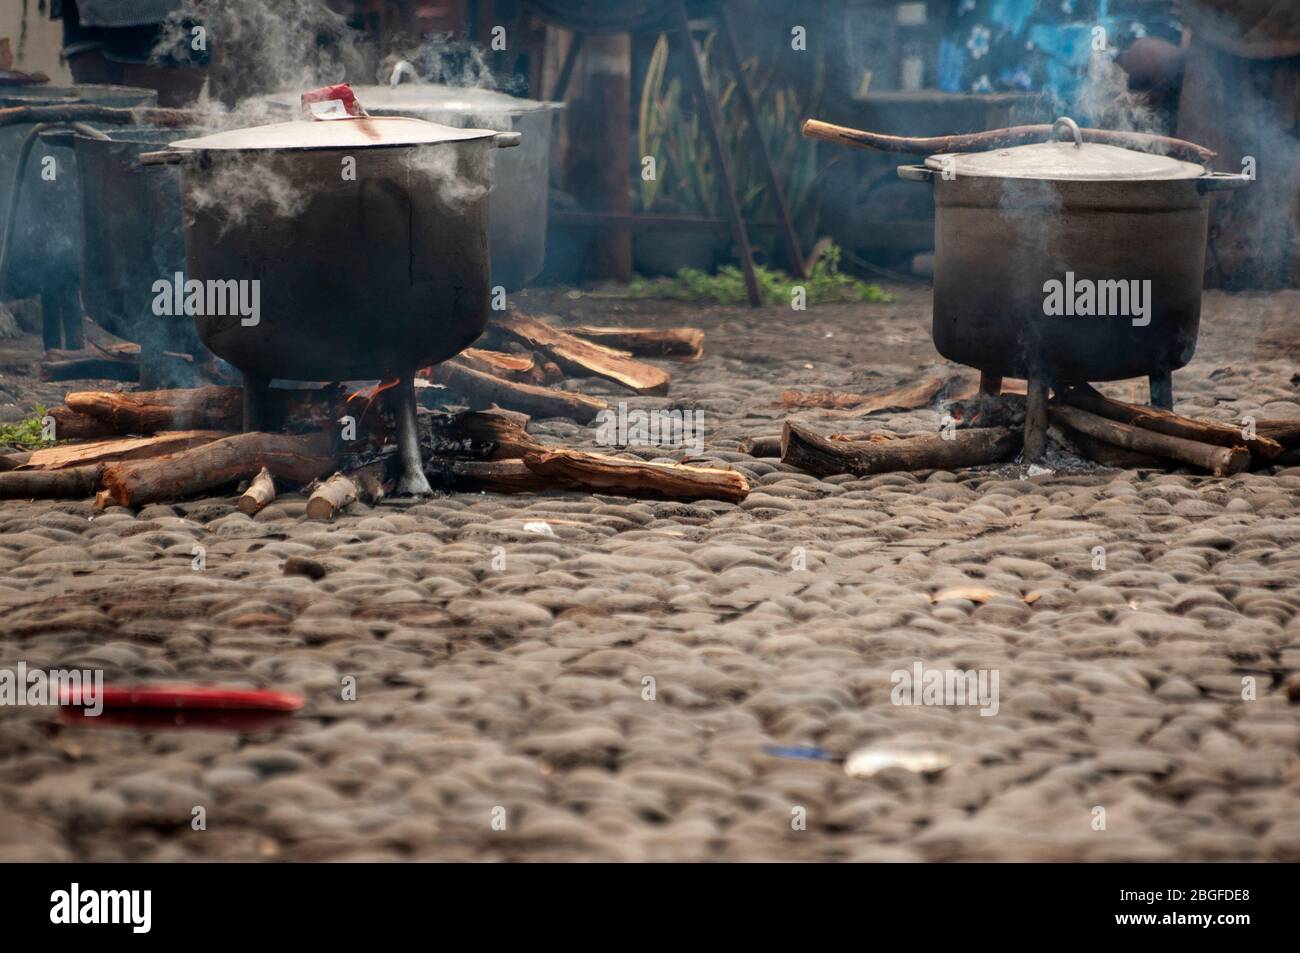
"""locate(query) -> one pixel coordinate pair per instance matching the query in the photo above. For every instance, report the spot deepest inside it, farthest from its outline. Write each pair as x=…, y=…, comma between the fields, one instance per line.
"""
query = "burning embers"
x=1086, y=298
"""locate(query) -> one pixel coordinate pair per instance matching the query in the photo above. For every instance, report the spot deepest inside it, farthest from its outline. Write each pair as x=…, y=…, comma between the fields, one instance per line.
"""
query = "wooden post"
x=713, y=123
x=566, y=70
x=599, y=159
x=1035, y=419
x=728, y=38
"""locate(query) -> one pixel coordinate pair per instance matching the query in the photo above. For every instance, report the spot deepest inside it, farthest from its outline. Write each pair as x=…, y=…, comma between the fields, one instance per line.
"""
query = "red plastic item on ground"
x=189, y=698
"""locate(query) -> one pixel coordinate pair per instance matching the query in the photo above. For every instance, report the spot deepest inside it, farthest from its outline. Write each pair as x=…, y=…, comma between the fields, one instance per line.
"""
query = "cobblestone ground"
x=522, y=689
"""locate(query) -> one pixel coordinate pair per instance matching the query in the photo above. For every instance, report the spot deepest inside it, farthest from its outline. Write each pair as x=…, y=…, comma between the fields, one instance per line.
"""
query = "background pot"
x=132, y=237
x=45, y=252
x=1007, y=222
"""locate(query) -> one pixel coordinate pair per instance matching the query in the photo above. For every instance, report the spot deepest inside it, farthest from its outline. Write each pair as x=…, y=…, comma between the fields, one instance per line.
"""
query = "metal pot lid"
x=1089, y=162
x=352, y=132
x=457, y=99
x=418, y=99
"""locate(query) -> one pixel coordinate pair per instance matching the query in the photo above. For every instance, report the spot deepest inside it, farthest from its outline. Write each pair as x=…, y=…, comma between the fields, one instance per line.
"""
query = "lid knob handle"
x=1065, y=122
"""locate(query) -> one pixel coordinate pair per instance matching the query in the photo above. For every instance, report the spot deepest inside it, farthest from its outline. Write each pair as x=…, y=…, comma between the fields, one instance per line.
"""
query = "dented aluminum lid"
x=1070, y=160
x=351, y=132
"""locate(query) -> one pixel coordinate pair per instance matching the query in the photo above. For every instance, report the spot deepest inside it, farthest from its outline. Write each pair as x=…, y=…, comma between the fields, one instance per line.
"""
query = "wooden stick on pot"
x=1001, y=138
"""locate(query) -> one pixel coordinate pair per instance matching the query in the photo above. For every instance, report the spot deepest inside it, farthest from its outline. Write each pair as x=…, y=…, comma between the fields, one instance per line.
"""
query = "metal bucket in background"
x=132, y=237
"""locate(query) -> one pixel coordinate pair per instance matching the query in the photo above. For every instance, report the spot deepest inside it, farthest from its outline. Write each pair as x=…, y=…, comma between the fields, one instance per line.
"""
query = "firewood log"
x=1108, y=455
x=1285, y=432
x=146, y=412
x=482, y=390
x=522, y=368
x=119, y=448
x=335, y=494
x=503, y=476
x=372, y=480
x=579, y=357
x=259, y=493
x=1262, y=447
x=295, y=459
x=90, y=367
x=1221, y=461
x=12, y=461
x=608, y=474
x=675, y=344
x=70, y=425
x=906, y=397
x=72, y=482
x=481, y=434
x=808, y=450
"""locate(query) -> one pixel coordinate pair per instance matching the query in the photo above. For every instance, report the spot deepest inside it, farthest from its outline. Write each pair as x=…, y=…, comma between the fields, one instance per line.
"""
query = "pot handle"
x=59, y=138
x=916, y=173
x=1065, y=122
x=1220, y=181
x=166, y=157
x=507, y=140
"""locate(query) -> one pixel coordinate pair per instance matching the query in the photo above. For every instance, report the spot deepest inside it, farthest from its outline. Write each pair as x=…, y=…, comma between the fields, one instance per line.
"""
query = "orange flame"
x=368, y=394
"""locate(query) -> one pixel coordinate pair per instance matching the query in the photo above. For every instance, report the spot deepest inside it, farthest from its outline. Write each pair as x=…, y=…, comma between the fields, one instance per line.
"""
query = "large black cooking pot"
x=520, y=181
x=1013, y=224
x=45, y=250
x=362, y=241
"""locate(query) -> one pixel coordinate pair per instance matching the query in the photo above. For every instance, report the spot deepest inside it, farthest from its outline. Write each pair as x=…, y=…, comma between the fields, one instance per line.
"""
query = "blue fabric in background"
x=1040, y=45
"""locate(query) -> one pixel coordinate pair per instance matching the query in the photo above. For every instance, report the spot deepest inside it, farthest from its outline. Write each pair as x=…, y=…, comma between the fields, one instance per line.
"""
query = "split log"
x=1285, y=432
x=522, y=368
x=70, y=425
x=292, y=458
x=335, y=494
x=259, y=493
x=578, y=356
x=676, y=344
x=1262, y=447
x=816, y=454
x=121, y=448
x=503, y=476
x=71, y=483
x=597, y=471
x=907, y=397
x=482, y=390
x=149, y=411
x=1221, y=461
